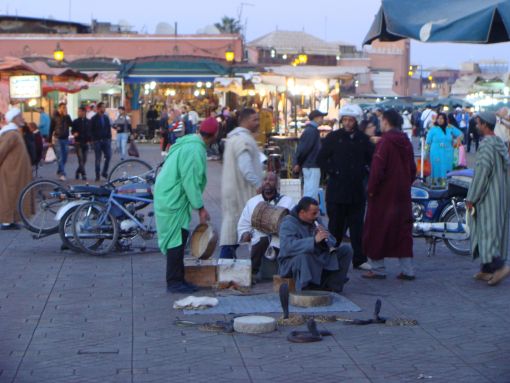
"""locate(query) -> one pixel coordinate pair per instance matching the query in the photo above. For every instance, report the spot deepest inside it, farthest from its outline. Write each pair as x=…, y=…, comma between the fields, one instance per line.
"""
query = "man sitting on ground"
x=307, y=253
x=261, y=242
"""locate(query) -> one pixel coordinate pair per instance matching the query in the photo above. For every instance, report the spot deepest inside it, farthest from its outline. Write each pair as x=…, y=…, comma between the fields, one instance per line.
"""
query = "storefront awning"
x=169, y=71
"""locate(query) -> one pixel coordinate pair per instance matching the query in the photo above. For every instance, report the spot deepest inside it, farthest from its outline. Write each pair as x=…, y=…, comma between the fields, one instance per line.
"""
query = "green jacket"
x=178, y=190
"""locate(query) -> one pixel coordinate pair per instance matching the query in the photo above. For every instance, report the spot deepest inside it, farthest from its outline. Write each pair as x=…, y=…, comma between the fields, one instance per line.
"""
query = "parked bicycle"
x=98, y=227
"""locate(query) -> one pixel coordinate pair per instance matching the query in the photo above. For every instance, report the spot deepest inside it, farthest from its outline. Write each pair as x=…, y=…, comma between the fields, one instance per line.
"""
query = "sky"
x=332, y=20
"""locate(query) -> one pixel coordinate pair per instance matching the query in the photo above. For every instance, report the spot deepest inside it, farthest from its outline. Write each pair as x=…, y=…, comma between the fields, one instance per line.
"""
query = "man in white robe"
x=260, y=241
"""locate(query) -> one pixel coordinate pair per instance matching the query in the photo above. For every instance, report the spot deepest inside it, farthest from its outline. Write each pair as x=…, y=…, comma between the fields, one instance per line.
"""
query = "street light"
x=303, y=58
x=58, y=54
x=230, y=55
x=272, y=52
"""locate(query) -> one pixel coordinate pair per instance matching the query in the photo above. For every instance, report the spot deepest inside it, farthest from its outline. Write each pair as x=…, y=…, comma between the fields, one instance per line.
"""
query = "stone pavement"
x=68, y=317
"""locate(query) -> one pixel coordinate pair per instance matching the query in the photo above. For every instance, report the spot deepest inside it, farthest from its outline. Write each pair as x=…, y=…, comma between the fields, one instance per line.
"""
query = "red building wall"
x=121, y=46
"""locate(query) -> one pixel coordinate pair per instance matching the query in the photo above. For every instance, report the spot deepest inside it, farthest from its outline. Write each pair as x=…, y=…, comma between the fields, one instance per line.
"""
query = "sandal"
x=373, y=275
x=405, y=277
x=481, y=276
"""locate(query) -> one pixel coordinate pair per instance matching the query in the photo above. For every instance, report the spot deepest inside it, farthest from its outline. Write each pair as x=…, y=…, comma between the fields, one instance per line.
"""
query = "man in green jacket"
x=178, y=191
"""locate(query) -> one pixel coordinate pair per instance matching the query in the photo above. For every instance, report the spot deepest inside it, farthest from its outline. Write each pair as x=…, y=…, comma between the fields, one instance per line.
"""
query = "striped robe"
x=490, y=195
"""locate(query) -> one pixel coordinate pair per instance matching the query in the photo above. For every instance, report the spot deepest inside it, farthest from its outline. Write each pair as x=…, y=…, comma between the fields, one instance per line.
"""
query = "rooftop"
x=294, y=41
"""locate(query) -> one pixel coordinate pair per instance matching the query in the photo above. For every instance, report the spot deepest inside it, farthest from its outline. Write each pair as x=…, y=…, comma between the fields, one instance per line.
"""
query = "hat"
x=12, y=114
x=488, y=117
x=351, y=110
x=316, y=113
x=209, y=126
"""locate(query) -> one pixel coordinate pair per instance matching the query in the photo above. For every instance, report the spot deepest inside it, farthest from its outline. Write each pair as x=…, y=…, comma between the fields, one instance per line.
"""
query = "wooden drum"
x=267, y=218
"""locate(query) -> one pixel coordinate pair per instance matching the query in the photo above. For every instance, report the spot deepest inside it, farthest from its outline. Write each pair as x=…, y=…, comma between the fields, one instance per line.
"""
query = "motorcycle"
x=440, y=214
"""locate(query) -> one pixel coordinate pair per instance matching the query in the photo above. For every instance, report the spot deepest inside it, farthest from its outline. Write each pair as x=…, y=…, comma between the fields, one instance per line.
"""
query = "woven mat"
x=270, y=303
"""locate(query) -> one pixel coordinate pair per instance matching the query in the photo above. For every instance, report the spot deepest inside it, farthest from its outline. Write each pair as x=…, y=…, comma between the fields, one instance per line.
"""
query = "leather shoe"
x=181, y=288
x=10, y=226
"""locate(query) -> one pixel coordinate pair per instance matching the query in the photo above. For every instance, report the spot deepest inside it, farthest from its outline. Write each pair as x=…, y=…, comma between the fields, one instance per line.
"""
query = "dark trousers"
x=228, y=251
x=348, y=216
x=103, y=147
x=175, y=261
x=81, y=153
x=475, y=138
x=496, y=264
x=335, y=280
x=257, y=252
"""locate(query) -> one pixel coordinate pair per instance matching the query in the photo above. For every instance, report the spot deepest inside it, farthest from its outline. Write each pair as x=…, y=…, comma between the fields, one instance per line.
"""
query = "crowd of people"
x=370, y=167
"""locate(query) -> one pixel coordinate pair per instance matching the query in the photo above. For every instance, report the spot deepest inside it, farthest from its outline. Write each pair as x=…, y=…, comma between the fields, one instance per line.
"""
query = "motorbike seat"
x=437, y=194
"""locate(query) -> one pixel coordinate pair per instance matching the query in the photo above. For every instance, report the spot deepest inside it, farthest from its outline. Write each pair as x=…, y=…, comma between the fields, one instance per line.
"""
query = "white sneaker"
x=365, y=266
x=163, y=154
x=62, y=178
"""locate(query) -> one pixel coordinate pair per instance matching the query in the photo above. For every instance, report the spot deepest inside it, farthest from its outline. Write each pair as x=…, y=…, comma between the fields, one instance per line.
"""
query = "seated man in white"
x=262, y=244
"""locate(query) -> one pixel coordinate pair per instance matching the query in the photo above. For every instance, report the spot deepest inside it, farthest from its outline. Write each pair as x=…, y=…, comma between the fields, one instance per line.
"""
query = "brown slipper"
x=481, y=276
x=499, y=276
x=372, y=275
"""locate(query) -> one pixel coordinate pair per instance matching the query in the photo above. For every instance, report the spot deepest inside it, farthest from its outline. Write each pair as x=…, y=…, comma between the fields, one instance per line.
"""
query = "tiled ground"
x=66, y=317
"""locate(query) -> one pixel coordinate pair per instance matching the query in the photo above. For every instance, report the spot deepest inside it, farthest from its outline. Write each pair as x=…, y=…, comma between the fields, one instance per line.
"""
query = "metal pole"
x=123, y=93
x=422, y=155
x=295, y=114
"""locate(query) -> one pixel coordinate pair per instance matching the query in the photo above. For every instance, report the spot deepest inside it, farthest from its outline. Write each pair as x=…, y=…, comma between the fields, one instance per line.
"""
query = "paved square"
x=68, y=317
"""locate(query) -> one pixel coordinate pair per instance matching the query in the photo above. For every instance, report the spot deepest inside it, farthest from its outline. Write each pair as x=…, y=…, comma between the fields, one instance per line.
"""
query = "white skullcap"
x=11, y=114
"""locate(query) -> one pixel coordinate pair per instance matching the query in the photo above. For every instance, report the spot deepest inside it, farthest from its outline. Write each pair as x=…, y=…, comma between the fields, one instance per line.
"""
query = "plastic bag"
x=133, y=150
x=50, y=155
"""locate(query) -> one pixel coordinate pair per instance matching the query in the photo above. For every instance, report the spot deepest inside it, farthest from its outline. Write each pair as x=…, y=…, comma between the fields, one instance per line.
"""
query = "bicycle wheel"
x=65, y=230
x=129, y=168
x=463, y=246
x=95, y=229
x=38, y=204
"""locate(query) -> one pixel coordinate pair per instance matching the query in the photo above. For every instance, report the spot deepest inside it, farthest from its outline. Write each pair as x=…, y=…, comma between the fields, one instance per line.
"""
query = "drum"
x=267, y=218
x=203, y=241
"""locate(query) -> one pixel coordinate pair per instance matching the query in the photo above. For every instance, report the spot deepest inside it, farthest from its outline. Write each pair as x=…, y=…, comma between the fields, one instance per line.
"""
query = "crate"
x=235, y=270
x=202, y=273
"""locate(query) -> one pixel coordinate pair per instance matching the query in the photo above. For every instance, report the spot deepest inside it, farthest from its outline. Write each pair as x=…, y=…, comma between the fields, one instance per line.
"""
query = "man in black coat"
x=81, y=133
x=345, y=156
x=101, y=135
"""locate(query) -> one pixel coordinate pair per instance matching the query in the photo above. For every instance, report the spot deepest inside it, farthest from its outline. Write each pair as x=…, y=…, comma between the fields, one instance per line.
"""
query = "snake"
x=312, y=335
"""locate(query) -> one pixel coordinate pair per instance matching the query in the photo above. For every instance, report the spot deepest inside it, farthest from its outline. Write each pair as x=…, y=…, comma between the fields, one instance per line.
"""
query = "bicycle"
x=38, y=205
x=98, y=227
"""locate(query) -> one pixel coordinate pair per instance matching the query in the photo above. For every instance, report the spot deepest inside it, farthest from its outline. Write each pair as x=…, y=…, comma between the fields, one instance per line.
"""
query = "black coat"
x=345, y=158
x=60, y=125
x=100, y=131
x=82, y=127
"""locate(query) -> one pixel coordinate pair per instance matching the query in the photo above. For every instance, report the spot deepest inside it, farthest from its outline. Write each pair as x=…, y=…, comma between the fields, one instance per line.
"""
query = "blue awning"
x=461, y=21
x=171, y=71
x=139, y=79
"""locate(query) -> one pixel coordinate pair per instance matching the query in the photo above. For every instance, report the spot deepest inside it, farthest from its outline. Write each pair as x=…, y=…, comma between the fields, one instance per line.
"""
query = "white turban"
x=11, y=114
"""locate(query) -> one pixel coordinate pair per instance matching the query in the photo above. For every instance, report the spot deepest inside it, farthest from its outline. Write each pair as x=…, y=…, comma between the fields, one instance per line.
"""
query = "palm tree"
x=229, y=25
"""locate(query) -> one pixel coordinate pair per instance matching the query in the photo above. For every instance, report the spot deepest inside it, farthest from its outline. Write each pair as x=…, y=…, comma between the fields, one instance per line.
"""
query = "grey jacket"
x=300, y=257
x=308, y=147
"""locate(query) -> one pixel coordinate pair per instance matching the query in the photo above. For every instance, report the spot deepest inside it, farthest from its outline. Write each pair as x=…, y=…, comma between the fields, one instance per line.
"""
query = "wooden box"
x=278, y=281
x=235, y=270
x=200, y=272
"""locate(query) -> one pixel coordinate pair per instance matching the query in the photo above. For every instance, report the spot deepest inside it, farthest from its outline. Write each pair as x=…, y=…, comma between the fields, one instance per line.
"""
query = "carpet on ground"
x=270, y=303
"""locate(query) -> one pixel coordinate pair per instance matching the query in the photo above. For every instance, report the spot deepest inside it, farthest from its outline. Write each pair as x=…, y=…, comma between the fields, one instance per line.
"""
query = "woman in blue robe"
x=441, y=139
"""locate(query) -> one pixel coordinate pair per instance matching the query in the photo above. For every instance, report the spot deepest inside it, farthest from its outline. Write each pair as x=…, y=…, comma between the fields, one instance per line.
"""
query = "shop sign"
x=23, y=87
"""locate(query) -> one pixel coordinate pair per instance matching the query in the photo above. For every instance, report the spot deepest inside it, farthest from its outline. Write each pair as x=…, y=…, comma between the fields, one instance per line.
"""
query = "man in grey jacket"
x=306, y=155
x=307, y=253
